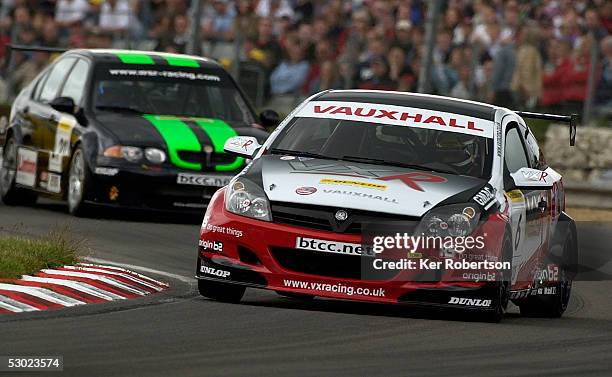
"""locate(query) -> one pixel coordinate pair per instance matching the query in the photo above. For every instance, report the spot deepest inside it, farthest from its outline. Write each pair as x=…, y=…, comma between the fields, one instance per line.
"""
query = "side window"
x=55, y=79
x=39, y=85
x=536, y=158
x=514, y=154
x=75, y=84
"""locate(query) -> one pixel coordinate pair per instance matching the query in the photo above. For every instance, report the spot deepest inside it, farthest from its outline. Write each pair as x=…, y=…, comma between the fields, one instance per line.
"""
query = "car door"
x=62, y=130
x=525, y=214
x=549, y=199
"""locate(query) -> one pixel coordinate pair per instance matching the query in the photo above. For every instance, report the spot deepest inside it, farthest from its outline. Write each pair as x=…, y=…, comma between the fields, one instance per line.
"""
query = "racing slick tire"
x=501, y=288
x=552, y=306
x=297, y=296
x=10, y=194
x=221, y=291
x=79, y=181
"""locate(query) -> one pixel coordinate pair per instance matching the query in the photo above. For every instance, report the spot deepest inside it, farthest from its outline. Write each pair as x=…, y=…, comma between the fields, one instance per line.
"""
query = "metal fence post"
x=431, y=30
x=194, y=44
x=587, y=110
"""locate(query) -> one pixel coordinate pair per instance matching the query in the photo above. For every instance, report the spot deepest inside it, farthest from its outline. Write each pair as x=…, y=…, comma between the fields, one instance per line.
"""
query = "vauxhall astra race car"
x=125, y=128
x=341, y=197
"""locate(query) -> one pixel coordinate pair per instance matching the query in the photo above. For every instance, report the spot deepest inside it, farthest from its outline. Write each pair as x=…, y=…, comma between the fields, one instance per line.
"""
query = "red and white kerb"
x=398, y=116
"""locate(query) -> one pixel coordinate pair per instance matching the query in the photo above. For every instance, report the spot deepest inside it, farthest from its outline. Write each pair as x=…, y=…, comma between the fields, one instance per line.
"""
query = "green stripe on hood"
x=219, y=132
x=177, y=136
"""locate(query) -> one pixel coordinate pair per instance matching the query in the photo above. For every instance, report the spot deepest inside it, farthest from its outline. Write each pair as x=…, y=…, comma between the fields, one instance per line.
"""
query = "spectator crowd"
x=516, y=53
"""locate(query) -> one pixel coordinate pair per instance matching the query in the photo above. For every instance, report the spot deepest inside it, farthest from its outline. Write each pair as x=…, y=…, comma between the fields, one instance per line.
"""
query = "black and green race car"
x=125, y=128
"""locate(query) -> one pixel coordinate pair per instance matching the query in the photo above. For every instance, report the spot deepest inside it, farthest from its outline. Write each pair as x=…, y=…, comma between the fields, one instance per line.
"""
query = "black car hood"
x=130, y=129
x=174, y=134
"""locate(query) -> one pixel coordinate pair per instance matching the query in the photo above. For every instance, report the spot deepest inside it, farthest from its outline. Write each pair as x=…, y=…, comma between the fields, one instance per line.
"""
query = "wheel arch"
x=566, y=225
x=89, y=143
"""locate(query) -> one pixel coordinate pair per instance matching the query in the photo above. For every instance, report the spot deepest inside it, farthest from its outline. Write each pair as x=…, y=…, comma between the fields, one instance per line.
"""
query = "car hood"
x=175, y=134
x=130, y=129
x=360, y=186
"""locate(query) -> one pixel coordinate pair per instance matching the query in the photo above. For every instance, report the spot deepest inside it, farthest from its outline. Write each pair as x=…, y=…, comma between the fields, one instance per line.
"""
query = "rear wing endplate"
x=571, y=119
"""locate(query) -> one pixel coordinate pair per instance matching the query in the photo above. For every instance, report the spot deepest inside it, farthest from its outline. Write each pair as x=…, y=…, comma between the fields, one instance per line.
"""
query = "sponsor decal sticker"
x=347, y=290
x=411, y=179
x=26, y=167
x=469, y=301
x=361, y=195
x=203, y=180
x=305, y=190
x=325, y=246
x=54, y=183
x=61, y=149
x=516, y=196
x=524, y=293
x=485, y=197
x=211, y=245
x=111, y=172
x=498, y=135
x=398, y=116
x=535, y=175
x=346, y=182
x=215, y=272
x=221, y=229
x=549, y=273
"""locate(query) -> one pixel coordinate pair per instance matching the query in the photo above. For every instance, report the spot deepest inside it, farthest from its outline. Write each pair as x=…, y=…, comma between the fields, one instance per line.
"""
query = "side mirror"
x=527, y=178
x=269, y=118
x=64, y=105
x=243, y=146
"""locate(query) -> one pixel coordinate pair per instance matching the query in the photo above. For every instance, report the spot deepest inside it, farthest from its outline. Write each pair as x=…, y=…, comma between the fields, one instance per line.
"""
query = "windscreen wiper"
x=379, y=161
x=118, y=108
x=300, y=153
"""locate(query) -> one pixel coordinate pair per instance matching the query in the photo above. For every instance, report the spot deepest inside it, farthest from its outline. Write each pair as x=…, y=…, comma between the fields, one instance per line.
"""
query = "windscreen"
x=161, y=90
x=429, y=146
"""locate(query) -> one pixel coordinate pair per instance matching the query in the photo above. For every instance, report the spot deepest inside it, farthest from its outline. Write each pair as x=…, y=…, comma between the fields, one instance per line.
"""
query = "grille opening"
x=329, y=264
x=247, y=256
x=200, y=158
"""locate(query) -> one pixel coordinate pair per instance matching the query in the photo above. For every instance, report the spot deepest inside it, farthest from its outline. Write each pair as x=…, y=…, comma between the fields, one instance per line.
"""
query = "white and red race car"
x=394, y=198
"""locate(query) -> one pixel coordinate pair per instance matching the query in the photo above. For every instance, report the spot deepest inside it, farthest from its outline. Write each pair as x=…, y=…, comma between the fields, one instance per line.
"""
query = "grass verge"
x=25, y=256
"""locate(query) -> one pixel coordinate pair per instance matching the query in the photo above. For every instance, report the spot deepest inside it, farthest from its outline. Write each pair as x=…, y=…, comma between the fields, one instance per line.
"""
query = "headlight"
x=245, y=198
x=132, y=154
x=155, y=156
x=456, y=220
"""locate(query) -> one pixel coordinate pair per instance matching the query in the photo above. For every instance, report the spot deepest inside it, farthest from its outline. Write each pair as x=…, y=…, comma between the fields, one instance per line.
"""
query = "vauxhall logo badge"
x=341, y=215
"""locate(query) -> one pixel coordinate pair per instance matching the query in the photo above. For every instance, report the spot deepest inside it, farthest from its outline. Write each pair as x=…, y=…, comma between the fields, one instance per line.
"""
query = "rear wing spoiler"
x=13, y=47
x=35, y=48
x=571, y=119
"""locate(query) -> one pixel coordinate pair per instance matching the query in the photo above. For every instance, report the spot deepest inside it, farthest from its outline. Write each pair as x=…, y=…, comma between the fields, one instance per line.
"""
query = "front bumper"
x=154, y=188
x=239, y=250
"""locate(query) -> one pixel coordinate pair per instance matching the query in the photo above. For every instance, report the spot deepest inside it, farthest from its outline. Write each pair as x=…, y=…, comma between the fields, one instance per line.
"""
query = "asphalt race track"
x=183, y=334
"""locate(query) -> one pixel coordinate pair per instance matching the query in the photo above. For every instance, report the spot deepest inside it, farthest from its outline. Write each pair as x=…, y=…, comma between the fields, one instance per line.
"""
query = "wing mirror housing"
x=269, y=118
x=64, y=105
x=527, y=178
x=242, y=146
